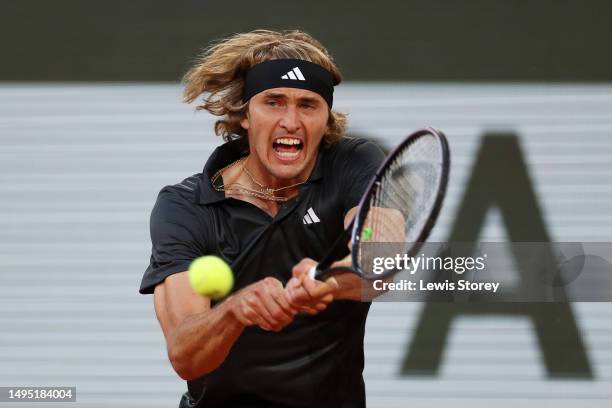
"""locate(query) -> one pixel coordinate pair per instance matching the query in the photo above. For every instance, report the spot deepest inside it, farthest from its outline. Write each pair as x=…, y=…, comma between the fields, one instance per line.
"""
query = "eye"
x=272, y=102
x=307, y=105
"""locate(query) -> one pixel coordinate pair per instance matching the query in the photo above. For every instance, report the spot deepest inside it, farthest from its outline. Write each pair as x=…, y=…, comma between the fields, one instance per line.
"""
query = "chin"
x=286, y=173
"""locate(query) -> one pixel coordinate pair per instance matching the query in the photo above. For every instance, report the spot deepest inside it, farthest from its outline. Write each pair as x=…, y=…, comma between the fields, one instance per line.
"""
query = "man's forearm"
x=352, y=287
x=202, y=341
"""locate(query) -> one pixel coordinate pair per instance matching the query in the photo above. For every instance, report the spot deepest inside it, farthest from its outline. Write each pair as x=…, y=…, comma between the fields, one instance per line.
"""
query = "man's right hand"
x=264, y=304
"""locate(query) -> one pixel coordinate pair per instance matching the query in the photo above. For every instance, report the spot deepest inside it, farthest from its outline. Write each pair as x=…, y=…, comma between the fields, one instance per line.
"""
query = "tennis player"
x=269, y=201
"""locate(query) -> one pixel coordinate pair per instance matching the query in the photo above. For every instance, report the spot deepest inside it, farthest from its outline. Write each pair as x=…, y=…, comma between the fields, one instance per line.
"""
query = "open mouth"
x=287, y=148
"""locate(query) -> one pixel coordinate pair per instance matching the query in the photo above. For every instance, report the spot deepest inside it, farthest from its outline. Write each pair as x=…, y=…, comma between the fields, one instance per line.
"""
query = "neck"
x=261, y=178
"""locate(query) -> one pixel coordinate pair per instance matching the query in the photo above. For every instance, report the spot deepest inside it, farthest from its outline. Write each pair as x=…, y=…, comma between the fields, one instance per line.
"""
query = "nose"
x=290, y=120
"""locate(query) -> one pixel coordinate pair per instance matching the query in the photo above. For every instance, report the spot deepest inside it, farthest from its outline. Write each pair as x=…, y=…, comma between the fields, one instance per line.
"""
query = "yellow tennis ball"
x=210, y=276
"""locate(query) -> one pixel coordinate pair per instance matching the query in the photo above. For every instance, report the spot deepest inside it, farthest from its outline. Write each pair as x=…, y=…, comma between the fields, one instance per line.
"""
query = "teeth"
x=288, y=154
x=288, y=141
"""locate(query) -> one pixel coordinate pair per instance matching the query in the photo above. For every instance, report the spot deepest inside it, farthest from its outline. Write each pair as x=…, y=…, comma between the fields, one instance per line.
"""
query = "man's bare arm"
x=198, y=337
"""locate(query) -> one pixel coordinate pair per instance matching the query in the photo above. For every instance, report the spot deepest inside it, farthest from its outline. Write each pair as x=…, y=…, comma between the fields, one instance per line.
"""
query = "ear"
x=244, y=122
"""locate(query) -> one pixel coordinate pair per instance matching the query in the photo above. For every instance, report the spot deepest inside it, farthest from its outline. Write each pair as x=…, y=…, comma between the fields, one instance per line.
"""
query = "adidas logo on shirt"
x=311, y=217
x=294, y=74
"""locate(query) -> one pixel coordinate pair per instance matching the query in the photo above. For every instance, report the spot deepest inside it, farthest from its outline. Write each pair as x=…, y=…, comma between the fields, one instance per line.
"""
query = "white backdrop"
x=81, y=166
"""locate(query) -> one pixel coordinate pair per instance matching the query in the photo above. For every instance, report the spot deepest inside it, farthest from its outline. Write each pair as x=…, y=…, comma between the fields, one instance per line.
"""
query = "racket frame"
x=352, y=232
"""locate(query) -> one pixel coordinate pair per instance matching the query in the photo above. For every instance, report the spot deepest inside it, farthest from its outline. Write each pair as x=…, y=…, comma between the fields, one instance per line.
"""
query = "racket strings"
x=400, y=206
x=396, y=209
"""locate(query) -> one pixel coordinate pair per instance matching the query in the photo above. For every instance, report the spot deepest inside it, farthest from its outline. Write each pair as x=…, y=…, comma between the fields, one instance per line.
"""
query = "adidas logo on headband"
x=289, y=73
x=295, y=73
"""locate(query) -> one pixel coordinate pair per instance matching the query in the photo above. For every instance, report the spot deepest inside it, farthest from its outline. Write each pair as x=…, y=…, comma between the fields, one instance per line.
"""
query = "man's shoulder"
x=186, y=190
x=353, y=151
x=347, y=145
x=180, y=204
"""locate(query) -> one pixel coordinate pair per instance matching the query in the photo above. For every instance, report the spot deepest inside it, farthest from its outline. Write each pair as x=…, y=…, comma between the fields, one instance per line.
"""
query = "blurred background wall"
x=92, y=126
x=478, y=40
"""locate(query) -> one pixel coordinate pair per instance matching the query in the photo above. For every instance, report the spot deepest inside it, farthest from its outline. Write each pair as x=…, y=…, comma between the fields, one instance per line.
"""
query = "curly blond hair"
x=219, y=75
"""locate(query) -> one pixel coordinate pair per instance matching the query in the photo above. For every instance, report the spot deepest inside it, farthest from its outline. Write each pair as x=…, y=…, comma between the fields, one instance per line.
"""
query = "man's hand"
x=308, y=295
x=312, y=296
x=263, y=303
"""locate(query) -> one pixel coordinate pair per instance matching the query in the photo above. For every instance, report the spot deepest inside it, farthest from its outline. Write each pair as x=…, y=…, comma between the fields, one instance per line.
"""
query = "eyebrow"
x=279, y=95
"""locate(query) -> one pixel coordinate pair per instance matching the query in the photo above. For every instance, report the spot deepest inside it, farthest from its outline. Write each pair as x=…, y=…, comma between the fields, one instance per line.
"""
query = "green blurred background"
x=437, y=40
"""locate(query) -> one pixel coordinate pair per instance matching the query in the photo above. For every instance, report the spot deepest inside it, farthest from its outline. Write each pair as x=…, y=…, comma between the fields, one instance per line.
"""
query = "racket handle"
x=320, y=274
x=339, y=250
x=312, y=272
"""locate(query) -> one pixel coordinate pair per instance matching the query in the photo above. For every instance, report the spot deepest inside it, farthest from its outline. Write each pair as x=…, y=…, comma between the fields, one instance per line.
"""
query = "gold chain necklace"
x=266, y=188
x=265, y=193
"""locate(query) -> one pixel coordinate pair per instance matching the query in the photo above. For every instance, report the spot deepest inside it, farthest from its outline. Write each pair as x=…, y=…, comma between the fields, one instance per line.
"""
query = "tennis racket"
x=400, y=206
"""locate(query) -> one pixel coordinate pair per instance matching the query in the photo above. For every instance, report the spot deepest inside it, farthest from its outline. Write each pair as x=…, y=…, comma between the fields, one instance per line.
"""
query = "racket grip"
x=312, y=272
x=315, y=273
